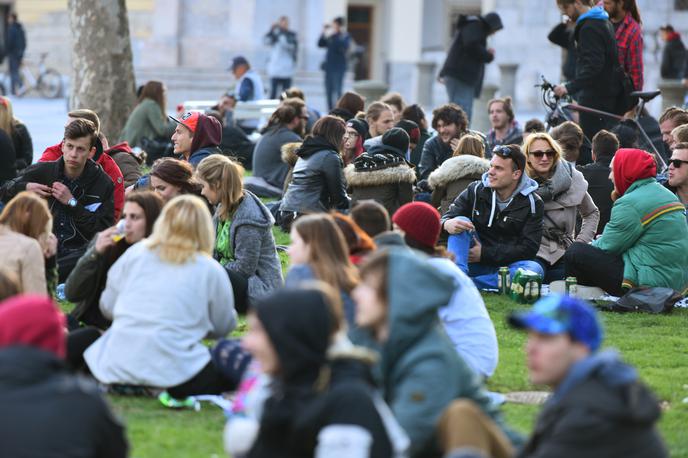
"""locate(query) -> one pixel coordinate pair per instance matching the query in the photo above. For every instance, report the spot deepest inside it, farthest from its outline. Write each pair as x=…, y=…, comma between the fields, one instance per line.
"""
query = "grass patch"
x=654, y=344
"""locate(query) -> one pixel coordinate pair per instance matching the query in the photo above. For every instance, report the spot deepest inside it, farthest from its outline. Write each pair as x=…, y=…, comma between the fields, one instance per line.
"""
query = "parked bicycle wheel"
x=49, y=84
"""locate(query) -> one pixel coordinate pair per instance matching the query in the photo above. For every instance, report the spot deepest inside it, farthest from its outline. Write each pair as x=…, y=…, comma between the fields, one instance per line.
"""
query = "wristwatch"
x=72, y=202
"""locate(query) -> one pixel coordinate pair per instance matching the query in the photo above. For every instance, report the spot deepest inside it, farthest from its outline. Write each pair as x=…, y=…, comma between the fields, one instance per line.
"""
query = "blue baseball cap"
x=558, y=314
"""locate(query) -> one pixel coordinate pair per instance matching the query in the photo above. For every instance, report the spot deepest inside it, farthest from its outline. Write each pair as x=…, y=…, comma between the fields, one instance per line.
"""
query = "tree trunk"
x=102, y=67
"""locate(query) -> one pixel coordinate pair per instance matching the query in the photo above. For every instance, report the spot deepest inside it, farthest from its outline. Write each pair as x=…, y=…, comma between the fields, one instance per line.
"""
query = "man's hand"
x=560, y=90
x=104, y=239
x=475, y=252
x=457, y=226
x=61, y=193
x=454, y=144
x=40, y=189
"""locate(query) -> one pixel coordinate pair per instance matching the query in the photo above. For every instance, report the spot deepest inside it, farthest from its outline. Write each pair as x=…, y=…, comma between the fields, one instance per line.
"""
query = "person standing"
x=673, y=55
x=596, y=83
x=16, y=45
x=628, y=32
x=464, y=68
x=283, y=55
x=337, y=42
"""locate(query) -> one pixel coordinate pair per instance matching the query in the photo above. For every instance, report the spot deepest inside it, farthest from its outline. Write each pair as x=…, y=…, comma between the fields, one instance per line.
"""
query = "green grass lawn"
x=656, y=345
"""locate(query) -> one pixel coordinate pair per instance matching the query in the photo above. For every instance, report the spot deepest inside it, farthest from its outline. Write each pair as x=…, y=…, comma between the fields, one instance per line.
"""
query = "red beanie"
x=33, y=321
x=420, y=221
x=631, y=165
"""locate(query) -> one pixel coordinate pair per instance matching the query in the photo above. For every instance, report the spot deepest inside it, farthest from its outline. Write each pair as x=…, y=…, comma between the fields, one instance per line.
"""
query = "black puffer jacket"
x=317, y=183
x=8, y=170
x=600, y=188
x=93, y=191
x=468, y=53
x=509, y=235
x=46, y=411
x=603, y=411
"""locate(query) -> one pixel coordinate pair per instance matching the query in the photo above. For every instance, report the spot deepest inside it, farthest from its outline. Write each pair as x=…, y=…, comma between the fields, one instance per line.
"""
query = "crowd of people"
x=373, y=339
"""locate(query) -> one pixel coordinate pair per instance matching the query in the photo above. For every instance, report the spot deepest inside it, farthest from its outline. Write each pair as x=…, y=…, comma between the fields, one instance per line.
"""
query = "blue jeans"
x=484, y=277
x=461, y=94
x=334, y=79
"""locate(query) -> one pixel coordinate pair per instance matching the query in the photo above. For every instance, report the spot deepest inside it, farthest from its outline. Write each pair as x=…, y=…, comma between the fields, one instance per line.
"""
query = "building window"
x=681, y=5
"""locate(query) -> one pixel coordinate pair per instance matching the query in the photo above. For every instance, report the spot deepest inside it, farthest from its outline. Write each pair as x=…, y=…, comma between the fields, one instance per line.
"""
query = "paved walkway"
x=44, y=118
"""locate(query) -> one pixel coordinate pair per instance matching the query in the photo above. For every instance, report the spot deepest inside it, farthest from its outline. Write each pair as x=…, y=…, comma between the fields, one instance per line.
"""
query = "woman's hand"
x=104, y=239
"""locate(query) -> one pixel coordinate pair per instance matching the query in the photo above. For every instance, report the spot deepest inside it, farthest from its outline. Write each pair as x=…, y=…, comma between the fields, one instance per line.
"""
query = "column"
x=405, y=36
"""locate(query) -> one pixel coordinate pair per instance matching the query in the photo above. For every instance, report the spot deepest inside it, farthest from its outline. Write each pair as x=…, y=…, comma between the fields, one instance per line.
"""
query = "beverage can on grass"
x=571, y=287
x=504, y=280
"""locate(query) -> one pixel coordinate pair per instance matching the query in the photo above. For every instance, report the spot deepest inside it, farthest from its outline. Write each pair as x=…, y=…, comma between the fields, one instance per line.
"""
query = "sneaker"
x=589, y=293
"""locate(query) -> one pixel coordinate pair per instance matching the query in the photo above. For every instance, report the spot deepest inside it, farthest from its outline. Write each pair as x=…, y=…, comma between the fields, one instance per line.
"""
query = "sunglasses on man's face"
x=677, y=163
x=538, y=154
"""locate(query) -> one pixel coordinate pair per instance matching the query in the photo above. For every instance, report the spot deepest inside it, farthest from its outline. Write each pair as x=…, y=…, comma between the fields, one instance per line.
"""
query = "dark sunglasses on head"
x=538, y=154
x=502, y=150
x=677, y=163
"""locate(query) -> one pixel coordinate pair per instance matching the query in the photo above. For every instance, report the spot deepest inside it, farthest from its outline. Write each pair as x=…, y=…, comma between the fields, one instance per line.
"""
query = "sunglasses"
x=677, y=163
x=502, y=150
x=538, y=154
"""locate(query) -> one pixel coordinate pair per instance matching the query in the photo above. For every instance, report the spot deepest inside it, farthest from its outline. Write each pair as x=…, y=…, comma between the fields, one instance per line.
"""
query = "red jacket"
x=53, y=153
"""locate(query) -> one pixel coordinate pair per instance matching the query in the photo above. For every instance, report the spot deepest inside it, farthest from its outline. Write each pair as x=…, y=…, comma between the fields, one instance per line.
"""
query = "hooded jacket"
x=317, y=183
x=468, y=53
x=600, y=409
x=565, y=196
x=508, y=235
x=421, y=372
x=596, y=58
x=391, y=186
x=93, y=213
x=110, y=167
x=206, y=140
x=647, y=226
x=74, y=421
x=674, y=58
x=316, y=408
x=453, y=176
x=251, y=239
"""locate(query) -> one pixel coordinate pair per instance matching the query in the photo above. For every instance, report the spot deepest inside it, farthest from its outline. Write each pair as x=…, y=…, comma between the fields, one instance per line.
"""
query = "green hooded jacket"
x=420, y=369
x=648, y=229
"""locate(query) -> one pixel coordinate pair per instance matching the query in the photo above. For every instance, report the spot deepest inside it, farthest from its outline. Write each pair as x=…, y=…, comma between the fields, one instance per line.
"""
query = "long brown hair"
x=225, y=177
x=328, y=252
x=177, y=173
x=155, y=91
x=27, y=214
x=151, y=204
x=332, y=129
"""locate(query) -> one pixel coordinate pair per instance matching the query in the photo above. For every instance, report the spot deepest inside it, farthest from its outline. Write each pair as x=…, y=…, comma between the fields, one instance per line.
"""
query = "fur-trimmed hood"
x=456, y=168
x=392, y=175
x=288, y=150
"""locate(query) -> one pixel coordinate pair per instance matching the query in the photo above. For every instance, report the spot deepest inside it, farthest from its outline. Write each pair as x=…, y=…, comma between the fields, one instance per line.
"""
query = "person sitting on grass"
x=164, y=297
x=244, y=243
x=600, y=187
x=171, y=177
x=432, y=392
x=678, y=172
x=307, y=414
x=373, y=218
x=86, y=283
x=598, y=406
x=47, y=411
x=318, y=251
x=464, y=317
x=645, y=242
x=564, y=192
x=496, y=222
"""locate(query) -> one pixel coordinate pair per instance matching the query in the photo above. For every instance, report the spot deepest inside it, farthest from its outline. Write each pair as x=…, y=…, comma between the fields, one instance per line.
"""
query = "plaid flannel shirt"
x=629, y=44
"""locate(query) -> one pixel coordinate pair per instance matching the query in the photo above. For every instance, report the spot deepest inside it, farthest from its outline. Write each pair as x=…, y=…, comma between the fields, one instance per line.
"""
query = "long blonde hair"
x=183, y=230
x=6, y=116
x=328, y=253
x=27, y=214
x=552, y=144
x=225, y=177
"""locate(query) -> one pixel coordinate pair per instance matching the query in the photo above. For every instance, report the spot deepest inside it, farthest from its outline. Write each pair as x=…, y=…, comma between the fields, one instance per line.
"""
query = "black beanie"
x=359, y=125
x=411, y=129
x=397, y=138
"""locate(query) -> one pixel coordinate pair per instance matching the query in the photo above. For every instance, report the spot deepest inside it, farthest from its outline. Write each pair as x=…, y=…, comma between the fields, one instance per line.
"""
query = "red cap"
x=420, y=221
x=32, y=320
x=188, y=120
x=631, y=165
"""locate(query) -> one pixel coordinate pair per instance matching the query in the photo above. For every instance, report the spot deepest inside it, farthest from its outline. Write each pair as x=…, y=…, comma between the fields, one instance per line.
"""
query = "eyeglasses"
x=538, y=154
x=502, y=150
x=677, y=163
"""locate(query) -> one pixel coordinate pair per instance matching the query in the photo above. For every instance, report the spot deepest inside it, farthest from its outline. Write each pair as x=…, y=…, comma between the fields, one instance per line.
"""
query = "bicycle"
x=559, y=109
x=48, y=81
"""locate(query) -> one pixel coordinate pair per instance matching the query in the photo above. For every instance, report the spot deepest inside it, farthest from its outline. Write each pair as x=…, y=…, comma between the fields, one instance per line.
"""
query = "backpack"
x=652, y=300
